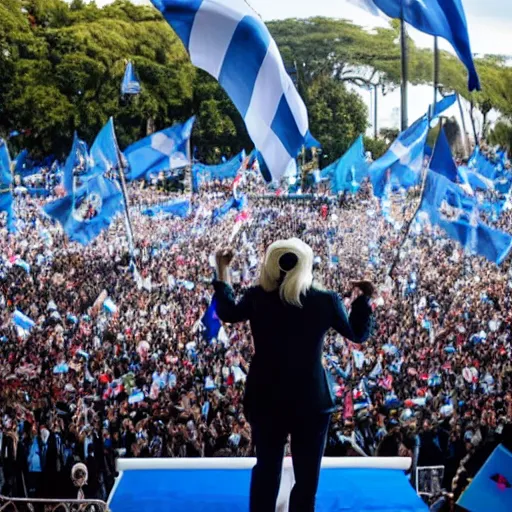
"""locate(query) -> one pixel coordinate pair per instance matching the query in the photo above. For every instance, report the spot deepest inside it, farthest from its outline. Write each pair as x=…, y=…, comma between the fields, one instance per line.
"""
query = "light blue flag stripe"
x=227, y=39
x=236, y=62
x=22, y=320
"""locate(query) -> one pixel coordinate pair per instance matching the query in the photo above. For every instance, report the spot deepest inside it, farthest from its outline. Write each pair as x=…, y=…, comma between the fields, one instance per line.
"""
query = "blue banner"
x=172, y=208
x=347, y=173
x=206, y=173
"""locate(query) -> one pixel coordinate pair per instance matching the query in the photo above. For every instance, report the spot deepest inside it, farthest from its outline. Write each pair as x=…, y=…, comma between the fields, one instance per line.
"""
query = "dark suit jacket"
x=286, y=372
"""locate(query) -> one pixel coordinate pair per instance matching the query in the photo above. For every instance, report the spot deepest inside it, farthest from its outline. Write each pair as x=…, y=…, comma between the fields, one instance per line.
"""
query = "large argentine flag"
x=227, y=39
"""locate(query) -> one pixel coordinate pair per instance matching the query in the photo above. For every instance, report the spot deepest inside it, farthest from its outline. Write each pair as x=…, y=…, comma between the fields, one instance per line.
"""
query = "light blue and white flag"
x=22, y=321
x=347, y=173
x=136, y=397
x=358, y=358
x=458, y=216
x=104, y=155
x=23, y=264
x=161, y=151
x=227, y=39
x=377, y=370
x=61, y=368
x=403, y=160
x=109, y=306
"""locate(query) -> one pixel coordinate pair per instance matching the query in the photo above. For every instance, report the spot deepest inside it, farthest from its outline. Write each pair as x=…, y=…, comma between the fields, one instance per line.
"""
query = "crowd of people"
x=90, y=383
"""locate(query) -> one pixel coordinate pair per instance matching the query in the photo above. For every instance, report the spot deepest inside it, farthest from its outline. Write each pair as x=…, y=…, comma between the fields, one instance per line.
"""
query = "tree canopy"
x=62, y=65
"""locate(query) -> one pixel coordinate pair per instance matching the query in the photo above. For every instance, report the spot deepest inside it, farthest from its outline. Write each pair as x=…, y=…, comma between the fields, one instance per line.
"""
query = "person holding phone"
x=287, y=389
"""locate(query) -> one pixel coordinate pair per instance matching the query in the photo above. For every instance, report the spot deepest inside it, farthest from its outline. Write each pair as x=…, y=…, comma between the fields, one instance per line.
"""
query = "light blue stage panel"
x=219, y=490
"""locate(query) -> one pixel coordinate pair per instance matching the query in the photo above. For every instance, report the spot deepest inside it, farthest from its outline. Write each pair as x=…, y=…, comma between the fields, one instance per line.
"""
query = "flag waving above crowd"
x=227, y=39
x=442, y=18
x=161, y=151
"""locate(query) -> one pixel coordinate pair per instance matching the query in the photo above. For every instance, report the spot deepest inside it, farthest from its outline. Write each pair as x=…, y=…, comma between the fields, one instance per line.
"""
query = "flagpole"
x=409, y=223
x=465, y=138
x=436, y=68
x=188, y=170
x=129, y=228
x=375, y=107
x=405, y=78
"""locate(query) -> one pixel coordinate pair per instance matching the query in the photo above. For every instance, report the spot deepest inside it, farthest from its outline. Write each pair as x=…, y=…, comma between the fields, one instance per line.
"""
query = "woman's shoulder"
x=318, y=293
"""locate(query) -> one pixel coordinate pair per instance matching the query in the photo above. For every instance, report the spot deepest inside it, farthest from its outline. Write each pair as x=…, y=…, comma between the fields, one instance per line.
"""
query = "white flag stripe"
x=297, y=106
x=211, y=35
x=266, y=95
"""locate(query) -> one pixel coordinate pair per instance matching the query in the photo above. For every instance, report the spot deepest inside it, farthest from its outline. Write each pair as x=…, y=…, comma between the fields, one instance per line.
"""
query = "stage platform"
x=222, y=485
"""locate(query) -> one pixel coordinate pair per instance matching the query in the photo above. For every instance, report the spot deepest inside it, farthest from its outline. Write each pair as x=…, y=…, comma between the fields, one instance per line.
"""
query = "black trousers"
x=308, y=434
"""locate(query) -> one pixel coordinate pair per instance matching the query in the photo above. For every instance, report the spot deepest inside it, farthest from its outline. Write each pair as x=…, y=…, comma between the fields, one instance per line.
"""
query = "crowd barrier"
x=193, y=485
x=37, y=505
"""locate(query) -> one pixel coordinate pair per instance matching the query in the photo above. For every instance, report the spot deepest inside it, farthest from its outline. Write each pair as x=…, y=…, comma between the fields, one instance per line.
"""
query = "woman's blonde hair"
x=298, y=280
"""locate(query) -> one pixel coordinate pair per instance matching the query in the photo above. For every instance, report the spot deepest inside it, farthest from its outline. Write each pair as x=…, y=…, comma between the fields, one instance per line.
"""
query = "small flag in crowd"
x=22, y=321
x=347, y=173
x=358, y=359
x=228, y=39
x=136, y=397
x=22, y=264
x=109, y=306
x=377, y=370
x=211, y=322
x=403, y=160
x=206, y=173
x=60, y=368
x=209, y=385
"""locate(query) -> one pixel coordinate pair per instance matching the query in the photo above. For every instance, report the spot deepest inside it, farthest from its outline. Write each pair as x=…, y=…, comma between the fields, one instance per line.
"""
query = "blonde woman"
x=287, y=390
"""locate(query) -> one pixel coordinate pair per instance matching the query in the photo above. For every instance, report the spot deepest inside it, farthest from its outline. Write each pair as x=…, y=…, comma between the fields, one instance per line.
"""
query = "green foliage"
x=502, y=135
x=67, y=63
x=377, y=147
x=337, y=116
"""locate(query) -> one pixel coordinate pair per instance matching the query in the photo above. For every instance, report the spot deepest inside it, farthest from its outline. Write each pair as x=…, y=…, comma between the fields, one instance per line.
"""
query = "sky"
x=490, y=27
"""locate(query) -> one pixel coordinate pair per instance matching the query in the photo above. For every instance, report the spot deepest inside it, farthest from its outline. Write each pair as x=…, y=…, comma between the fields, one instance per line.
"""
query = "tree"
x=337, y=116
x=502, y=134
x=377, y=147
